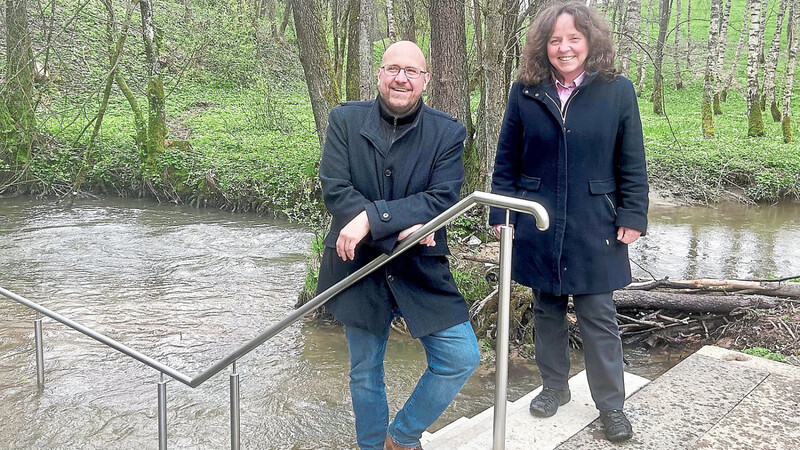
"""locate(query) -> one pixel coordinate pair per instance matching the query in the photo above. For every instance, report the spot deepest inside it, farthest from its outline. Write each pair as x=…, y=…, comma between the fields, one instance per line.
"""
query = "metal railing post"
x=162, y=413
x=39, y=344
x=501, y=345
x=235, y=425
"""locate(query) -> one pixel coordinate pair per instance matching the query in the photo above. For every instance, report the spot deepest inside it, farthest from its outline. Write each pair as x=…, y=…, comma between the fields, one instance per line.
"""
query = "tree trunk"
x=739, y=47
x=762, y=31
x=664, y=10
x=157, y=111
x=115, y=53
x=287, y=14
x=755, y=123
x=710, y=75
x=390, y=25
x=408, y=23
x=725, y=20
x=628, y=299
x=494, y=84
x=449, y=88
x=688, y=33
x=771, y=68
x=339, y=31
x=352, y=85
x=642, y=60
x=476, y=171
x=675, y=59
x=366, y=59
x=322, y=88
x=19, y=82
x=630, y=32
x=794, y=25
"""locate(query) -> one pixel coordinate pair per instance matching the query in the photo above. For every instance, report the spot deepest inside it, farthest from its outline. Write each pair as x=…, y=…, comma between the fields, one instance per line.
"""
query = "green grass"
x=764, y=353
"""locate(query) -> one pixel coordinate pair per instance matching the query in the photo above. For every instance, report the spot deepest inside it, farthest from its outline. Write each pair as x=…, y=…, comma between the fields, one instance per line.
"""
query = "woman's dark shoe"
x=616, y=425
x=547, y=402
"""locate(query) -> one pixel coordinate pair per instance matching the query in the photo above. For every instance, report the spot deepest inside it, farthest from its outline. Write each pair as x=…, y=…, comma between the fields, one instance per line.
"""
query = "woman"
x=572, y=140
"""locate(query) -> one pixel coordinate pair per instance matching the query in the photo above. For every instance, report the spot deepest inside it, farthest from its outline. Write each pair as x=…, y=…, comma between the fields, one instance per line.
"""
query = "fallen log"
x=635, y=299
x=764, y=287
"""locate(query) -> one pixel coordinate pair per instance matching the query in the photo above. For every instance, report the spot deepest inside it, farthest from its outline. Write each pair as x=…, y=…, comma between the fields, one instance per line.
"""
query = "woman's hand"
x=627, y=235
x=496, y=228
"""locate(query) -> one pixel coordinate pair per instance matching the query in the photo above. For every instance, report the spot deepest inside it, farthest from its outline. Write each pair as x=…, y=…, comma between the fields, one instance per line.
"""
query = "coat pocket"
x=606, y=188
x=528, y=184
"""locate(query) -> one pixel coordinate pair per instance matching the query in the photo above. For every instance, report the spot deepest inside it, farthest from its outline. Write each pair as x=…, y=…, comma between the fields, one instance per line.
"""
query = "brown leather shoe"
x=389, y=444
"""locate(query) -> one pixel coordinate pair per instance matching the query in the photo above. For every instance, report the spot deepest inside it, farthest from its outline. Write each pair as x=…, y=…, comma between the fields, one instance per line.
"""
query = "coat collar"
x=546, y=93
x=548, y=87
x=372, y=124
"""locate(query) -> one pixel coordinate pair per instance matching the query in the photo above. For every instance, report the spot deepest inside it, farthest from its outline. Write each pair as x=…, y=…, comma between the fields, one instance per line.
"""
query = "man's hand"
x=427, y=240
x=627, y=235
x=496, y=228
x=352, y=233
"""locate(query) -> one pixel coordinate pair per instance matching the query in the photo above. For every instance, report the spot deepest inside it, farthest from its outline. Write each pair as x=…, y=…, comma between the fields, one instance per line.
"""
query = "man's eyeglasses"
x=411, y=72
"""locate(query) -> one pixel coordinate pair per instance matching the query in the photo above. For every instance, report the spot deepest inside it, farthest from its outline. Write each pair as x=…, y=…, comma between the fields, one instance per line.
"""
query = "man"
x=390, y=165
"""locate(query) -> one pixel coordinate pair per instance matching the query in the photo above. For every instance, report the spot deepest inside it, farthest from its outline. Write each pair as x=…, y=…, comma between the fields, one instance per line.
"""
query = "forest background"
x=224, y=103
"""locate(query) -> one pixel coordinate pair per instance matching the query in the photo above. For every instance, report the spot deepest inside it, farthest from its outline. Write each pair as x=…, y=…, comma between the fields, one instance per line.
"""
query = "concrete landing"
x=714, y=399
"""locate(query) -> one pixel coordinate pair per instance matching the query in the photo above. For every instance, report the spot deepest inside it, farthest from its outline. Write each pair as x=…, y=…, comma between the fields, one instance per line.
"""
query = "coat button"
x=526, y=91
x=536, y=94
x=385, y=215
x=390, y=278
x=565, y=269
x=388, y=172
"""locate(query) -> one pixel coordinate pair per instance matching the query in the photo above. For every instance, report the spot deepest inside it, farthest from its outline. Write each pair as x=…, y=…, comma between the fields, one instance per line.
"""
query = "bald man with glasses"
x=390, y=165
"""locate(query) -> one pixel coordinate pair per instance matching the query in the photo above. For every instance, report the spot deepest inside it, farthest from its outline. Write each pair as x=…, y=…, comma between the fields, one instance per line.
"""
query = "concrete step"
x=715, y=399
x=524, y=431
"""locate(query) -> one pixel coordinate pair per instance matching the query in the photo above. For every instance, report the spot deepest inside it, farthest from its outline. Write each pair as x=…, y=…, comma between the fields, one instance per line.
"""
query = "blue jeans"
x=452, y=356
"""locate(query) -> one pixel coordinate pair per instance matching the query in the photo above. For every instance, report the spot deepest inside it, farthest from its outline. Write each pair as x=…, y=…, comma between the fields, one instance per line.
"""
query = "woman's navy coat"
x=411, y=182
x=586, y=166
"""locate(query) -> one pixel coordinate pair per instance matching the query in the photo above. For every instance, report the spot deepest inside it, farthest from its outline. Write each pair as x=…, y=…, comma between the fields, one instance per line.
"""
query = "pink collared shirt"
x=565, y=91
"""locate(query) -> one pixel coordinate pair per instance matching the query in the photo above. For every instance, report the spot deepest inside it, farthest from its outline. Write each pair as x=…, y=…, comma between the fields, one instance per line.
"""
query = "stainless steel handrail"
x=510, y=203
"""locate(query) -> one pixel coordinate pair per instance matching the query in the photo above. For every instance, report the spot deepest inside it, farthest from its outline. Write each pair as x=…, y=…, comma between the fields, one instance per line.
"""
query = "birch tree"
x=688, y=33
x=390, y=24
x=664, y=7
x=710, y=74
x=723, y=96
x=755, y=123
x=675, y=59
x=771, y=67
x=721, y=50
x=792, y=32
x=630, y=32
x=642, y=60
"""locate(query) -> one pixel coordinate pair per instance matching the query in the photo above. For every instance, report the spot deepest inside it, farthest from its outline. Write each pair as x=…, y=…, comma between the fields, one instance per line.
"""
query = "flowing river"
x=187, y=287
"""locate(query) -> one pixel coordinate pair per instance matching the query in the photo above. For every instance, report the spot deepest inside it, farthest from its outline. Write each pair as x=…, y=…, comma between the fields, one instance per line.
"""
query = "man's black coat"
x=410, y=182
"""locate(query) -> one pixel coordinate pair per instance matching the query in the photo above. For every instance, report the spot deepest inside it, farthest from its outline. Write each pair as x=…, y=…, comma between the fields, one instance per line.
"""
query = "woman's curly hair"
x=535, y=66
